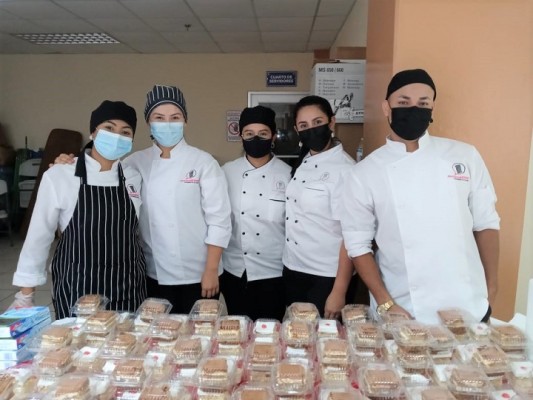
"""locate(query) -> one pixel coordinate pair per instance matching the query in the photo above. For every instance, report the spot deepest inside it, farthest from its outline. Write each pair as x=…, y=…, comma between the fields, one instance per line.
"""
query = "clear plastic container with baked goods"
x=101, y=322
x=441, y=343
x=415, y=371
x=52, y=337
x=129, y=372
x=189, y=350
x=266, y=330
x=333, y=351
x=118, y=345
x=494, y=362
x=522, y=377
x=509, y=338
x=53, y=362
x=25, y=379
x=216, y=373
x=412, y=339
x=297, y=332
x=329, y=328
x=457, y=321
x=207, y=310
x=153, y=307
x=336, y=392
x=159, y=365
x=7, y=385
x=355, y=313
x=335, y=374
x=389, y=319
x=88, y=305
x=380, y=382
x=302, y=311
x=212, y=394
x=262, y=356
x=232, y=329
x=88, y=360
x=430, y=392
x=155, y=390
x=169, y=327
x=251, y=392
x=71, y=386
x=479, y=332
x=367, y=335
x=290, y=377
x=125, y=321
x=468, y=383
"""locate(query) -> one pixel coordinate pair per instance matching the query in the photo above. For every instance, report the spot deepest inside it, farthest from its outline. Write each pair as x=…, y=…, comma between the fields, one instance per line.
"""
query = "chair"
x=59, y=141
x=5, y=214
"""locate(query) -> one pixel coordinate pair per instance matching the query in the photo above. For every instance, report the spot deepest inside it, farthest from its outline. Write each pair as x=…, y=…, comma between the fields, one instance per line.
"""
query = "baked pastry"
x=168, y=327
x=436, y=393
x=508, y=337
x=297, y=331
x=151, y=308
x=72, y=388
x=334, y=374
x=55, y=362
x=340, y=396
x=468, y=384
x=255, y=394
x=188, y=350
x=156, y=392
x=120, y=345
x=55, y=337
x=334, y=351
x=88, y=304
x=214, y=371
x=380, y=383
x=290, y=374
x=207, y=309
x=305, y=311
x=453, y=320
x=366, y=335
x=327, y=328
x=7, y=382
x=264, y=355
x=354, y=313
x=229, y=331
x=129, y=371
x=102, y=321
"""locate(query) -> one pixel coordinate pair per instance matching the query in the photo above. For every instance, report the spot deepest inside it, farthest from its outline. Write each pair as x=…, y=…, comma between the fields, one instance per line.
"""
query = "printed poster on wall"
x=232, y=125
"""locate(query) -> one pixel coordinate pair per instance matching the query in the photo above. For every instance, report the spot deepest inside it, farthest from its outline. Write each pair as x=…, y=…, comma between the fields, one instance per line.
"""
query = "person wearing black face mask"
x=429, y=204
x=316, y=267
x=252, y=264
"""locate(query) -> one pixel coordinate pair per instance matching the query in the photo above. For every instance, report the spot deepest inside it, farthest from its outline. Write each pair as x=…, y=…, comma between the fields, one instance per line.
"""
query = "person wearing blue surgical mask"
x=186, y=216
x=95, y=202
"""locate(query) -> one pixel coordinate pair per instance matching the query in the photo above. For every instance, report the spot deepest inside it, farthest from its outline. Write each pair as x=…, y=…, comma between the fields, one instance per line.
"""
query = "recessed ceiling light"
x=67, y=38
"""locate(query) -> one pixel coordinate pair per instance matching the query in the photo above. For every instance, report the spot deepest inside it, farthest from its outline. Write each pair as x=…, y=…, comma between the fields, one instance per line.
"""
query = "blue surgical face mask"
x=112, y=146
x=167, y=134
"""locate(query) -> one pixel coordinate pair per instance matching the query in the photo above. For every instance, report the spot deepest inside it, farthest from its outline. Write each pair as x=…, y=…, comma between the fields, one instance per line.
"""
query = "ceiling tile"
x=120, y=25
x=96, y=8
x=227, y=37
x=35, y=9
x=285, y=47
x=241, y=47
x=286, y=24
x=138, y=37
x=222, y=9
x=230, y=25
x=284, y=8
x=155, y=48
x=174, y=24
x=328, y=23
x=159, y=8
x=90, y=49
x=18, y=26
x=179, y=38
x=294, y=37
x=199, y=48
x=64, y=25
x=335, y=7
x=323, y=36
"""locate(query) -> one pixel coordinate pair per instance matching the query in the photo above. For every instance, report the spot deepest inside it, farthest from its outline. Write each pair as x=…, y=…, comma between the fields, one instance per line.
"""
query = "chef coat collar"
x=175, y=150
x=251, y=167
x=400, y=147
x=331, y=152
x=94, y=165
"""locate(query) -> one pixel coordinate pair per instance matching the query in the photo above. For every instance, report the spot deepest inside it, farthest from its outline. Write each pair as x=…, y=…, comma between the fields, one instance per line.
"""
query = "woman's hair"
x=324, y=106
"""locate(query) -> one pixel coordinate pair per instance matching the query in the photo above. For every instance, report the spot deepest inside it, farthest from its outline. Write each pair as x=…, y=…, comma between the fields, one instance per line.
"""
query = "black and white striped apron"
x=99, y=252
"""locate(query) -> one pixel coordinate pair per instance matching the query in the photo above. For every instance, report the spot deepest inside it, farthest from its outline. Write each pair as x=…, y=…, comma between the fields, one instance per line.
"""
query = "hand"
x=210, y=283
x=334, y=304
x=63, y=159
x=399, y=310
x=22, y=300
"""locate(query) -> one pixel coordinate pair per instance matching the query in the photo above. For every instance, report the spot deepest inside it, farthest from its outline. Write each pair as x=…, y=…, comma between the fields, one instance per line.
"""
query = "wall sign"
x=281, y=78
x=232, y=125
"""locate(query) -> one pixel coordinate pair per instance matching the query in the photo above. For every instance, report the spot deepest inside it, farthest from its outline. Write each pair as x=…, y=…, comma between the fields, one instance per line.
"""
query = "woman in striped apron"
x=95, y=203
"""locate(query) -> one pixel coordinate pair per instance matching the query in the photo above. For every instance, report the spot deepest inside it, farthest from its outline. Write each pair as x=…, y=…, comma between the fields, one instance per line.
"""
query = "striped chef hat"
x=161, y=94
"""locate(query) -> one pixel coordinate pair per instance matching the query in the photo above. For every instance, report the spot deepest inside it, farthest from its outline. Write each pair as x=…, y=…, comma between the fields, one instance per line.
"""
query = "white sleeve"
x=216, y=205
x=357, y=216
x=31, y=267
x=482, y=198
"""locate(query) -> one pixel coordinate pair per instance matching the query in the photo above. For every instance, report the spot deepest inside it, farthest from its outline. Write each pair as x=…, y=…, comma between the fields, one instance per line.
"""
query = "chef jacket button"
x=295, y=200
x=287, y=239
x=305, y=162
x=257, y=234
x=295, y=221
x=244, y=191
x=245, y=174
x=257, y=215
x=245, y=253
x=287, y=197
x=287, y=218
x=244, y=233
x=303, y=181
x=242, y=212
x=316, y=166
x=260, y=194
x=258, y=253
x=294, y=178
x=263, y=176
x=296, y=243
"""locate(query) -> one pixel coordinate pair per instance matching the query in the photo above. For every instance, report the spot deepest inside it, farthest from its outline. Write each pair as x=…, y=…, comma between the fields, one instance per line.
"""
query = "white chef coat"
x=313, y=233
x=257, y=197
x=185, y=208
x=422, y=208
x=56, y=200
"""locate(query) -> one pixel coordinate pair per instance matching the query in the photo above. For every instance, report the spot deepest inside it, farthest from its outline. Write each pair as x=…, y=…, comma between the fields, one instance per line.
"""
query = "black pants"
x=307, y=288
x=487, y=315
x=263, y=298
x=182, y=297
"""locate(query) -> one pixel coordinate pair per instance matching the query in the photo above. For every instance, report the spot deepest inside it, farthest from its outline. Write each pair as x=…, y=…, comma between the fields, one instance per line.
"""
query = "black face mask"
x=410, y=123
x=316, y=138
x=257, y=147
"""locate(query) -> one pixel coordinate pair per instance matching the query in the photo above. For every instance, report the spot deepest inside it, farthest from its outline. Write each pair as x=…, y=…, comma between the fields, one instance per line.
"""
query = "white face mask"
x=167, y=134
x=112, y=146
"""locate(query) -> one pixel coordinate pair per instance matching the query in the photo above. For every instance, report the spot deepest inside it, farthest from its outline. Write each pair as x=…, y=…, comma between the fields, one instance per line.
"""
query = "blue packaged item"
x=20, y=355
x=16, y=321
x=24, y=338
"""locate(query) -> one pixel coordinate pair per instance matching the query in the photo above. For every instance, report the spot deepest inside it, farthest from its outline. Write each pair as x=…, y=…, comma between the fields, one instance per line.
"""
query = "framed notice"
x=232, y=125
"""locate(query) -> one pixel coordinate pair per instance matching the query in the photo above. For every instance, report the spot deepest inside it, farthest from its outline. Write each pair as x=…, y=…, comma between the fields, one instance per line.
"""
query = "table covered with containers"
x=209, y=355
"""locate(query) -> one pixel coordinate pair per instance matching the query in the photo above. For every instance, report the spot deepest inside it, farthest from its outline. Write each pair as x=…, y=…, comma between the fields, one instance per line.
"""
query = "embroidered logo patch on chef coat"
x=280, y=186
x=190, y=177
x=325, y=176
x=459, y=170
x=133, y=192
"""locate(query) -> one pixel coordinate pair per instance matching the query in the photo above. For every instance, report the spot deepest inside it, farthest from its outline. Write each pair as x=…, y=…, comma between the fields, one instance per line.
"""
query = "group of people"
x=416, y=218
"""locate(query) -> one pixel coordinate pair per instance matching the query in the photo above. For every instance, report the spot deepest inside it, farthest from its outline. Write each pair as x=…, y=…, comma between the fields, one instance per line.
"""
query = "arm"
x=368, y=270
x=337, y=298
x=63, y=159
x=210, y=284
x=488, y=244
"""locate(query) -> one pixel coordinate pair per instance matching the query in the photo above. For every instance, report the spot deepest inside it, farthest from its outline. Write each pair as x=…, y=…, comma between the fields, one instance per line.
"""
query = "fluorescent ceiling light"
x=67, y=38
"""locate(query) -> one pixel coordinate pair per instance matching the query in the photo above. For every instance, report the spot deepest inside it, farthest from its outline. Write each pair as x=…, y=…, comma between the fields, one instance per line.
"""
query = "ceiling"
x=176, y=26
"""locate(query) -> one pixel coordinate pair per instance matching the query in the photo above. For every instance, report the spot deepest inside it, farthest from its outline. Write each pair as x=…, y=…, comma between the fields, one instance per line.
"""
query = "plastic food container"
x=118, y=345
x=329, y=328
x=129, y=372
x=292, y=378
x=333, y=351
x=72, y=386
x=87, y=359
x=346, y=392
x=153, y=307
x=7, y=384
x=262, y=356
x=297, y=332
x=467, y=383
x=52, y=337
x=102, y=322
x=302, y=311
x=190, y=350
x=388, y=320
x=479, y=332
x=266, y=330
x=457, y=321
x=355, y=313
x=216, y=373
x=441, y=343
x=232, y=329
x=250, y=392
x=207, y=310
x=511, y=339
x=380, y=382
x=89, y=304
x=54, y=362
x=494, y=362
x=429, y=393
x=169, y=327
